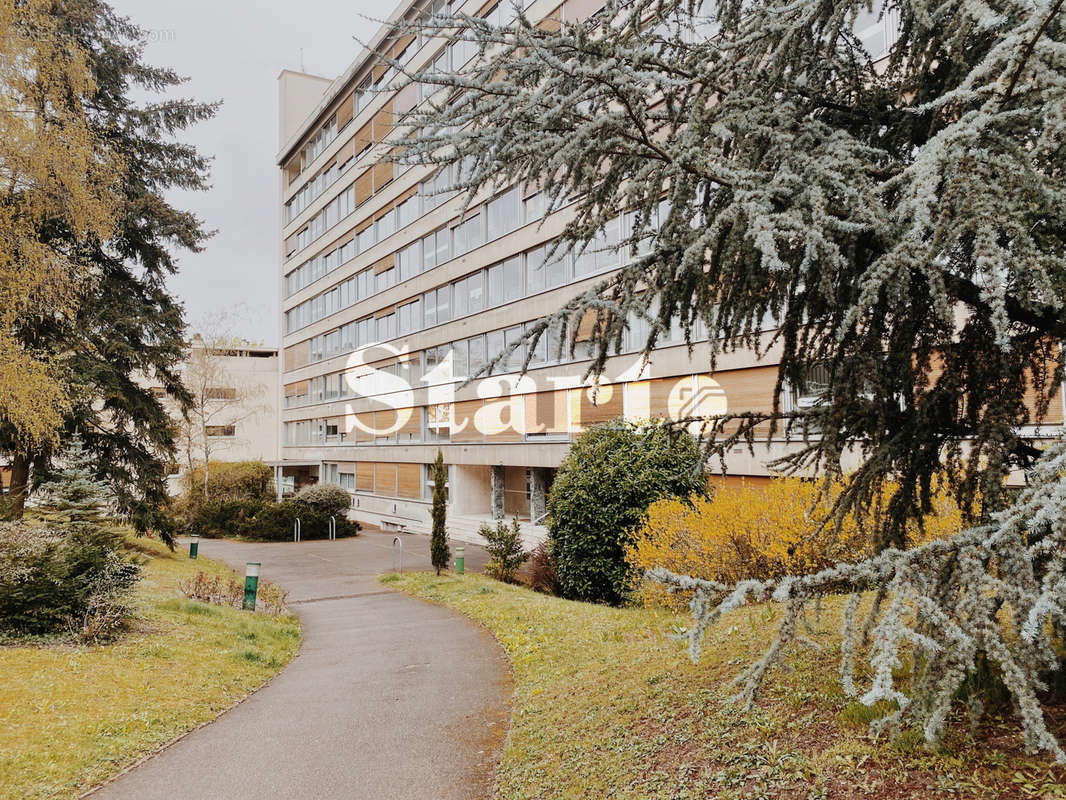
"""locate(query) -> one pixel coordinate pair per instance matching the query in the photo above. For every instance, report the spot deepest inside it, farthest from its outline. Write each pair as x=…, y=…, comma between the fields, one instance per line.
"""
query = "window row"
x=459, y=360
x=496, y=218
x=520, y=276
x=387, y=479
x=547, y=415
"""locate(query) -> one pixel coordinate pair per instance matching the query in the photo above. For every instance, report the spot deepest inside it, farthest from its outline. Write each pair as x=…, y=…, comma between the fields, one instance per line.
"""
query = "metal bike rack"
x=396, y=540
x=297, y=530
x=332, y=528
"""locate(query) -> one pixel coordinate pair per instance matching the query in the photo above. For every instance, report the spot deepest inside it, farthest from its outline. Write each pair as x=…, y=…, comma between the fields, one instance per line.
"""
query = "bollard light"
x=194, y=545
x=251, y=584
x=460, y=560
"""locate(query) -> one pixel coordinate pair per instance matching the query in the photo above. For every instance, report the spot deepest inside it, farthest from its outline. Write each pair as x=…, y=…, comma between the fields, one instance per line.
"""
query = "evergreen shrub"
x=504, y=546
x=325, y=498
x=274, y=523
x=65, y=571
x=601, y=494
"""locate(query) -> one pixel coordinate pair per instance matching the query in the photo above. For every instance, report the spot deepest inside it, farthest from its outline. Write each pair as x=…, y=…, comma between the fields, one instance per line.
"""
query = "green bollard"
x=460, y=560
x=251, y=584
x=194, y=546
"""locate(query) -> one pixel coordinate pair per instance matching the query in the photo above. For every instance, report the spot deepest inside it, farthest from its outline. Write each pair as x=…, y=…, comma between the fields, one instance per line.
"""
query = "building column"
x=496, y=503
x=278, y=470
x=538, y=494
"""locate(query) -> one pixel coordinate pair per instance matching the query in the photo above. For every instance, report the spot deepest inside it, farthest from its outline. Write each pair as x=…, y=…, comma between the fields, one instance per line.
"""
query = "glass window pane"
x=514, y=362
x=474, y=287
x=536, y=275
x=495, y=277
x=460, y=364
x=477, y=353
x=493, y=348
x=462, y=299
x=513, y=279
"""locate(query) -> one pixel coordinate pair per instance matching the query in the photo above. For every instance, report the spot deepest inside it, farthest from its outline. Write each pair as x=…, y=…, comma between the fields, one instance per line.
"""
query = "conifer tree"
x=73, y=498
x=889, y=220
x=439, y=551
x=129, y=330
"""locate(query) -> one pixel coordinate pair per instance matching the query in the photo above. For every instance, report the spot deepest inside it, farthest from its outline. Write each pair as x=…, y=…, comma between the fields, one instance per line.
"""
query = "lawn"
x=608, y=704
x=73, y=716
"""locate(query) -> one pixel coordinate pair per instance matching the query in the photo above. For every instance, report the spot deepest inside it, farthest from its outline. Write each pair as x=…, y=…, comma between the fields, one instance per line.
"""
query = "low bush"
x=229, y=480
x=223, y=517
x=212, y=589
x=324, y=498
x=267, y=522
x=274, y=523
x=504, y=546
x=601, y=494
x=65, y=572
x=542, y=577
x=758, y=530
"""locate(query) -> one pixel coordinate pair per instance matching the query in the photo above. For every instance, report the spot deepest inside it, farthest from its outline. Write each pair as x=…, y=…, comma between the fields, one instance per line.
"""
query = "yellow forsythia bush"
x=764, y=530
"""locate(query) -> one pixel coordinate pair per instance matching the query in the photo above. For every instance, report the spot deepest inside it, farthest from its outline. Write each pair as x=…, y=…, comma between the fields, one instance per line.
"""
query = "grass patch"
x=608, y=704
x=71, y=717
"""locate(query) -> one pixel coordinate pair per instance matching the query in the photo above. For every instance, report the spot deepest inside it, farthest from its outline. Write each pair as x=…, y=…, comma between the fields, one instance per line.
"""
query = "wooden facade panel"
x=748, y=390
x=297, y=355
x=546, y=413
x=585, y=410
x=364, y=476
x=385, y=423
x=347, y=152
x=384, y=172
x=297, y=389
x=385, y=479
x=364, y=187
x=364, y=137
x=409, y=481
x=382, y=122
x=364, y=426
x=465, y=423
x=345, y=111
x=409, y=424
x=502, y=419
x=388, y=262
x=638, y=401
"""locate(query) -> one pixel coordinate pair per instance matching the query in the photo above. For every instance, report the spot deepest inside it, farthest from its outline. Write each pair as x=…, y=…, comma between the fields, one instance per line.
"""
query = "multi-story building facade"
x=391, y=299
x=236, y=414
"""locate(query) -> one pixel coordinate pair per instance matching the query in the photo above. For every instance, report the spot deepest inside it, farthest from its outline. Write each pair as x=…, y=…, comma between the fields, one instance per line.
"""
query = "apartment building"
x=237, y=417
x=391, y=298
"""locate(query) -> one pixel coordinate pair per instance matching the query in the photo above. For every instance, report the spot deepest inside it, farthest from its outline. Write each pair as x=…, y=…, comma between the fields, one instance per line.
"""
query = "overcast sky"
x=233, y=50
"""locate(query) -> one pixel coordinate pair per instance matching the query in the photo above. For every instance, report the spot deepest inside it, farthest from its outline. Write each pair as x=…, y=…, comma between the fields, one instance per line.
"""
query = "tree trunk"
x=20, y=480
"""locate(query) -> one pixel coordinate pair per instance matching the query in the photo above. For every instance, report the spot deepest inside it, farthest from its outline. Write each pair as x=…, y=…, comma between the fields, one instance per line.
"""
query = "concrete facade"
x=244, y=418
x=390, y=300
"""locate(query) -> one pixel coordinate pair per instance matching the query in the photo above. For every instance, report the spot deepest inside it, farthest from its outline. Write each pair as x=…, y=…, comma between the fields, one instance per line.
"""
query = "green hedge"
x=601, y=495
x=268, y=522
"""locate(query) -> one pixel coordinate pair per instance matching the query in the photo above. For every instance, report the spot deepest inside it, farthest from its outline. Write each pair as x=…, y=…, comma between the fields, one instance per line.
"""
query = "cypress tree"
x=439, y=551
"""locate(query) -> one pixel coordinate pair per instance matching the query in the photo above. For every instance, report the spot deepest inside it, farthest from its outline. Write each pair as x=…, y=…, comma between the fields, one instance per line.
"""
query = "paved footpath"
x=389, y=698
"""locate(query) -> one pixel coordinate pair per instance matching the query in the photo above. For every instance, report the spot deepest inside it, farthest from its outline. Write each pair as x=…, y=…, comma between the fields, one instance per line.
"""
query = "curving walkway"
x=389, y=698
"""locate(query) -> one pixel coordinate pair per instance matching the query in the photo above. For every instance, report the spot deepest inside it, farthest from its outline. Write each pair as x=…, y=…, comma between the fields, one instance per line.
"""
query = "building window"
x=503, y=214
x=221, y=393
x=428, y=484
x=439, y=423
x=221, y=430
